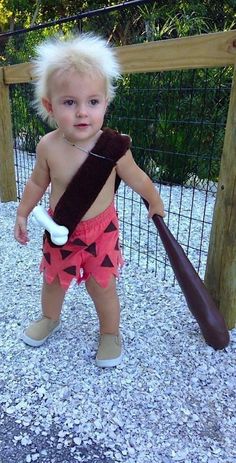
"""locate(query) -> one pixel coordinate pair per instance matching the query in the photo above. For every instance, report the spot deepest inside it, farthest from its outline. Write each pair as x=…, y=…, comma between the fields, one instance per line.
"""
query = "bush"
x=176, y=120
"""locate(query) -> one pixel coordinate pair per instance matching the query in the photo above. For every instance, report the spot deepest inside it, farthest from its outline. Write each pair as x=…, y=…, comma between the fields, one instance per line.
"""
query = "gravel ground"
x=171, y=400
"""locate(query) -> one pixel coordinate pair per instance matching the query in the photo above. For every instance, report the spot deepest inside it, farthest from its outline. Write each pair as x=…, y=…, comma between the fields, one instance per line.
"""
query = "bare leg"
x=107, y=305
x=52, y=298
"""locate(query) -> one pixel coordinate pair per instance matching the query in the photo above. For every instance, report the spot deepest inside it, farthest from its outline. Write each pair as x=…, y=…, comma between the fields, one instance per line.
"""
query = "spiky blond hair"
x=87, y=53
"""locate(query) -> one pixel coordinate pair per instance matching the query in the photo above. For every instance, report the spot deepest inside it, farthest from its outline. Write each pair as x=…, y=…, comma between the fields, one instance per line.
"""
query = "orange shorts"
x=92, y=250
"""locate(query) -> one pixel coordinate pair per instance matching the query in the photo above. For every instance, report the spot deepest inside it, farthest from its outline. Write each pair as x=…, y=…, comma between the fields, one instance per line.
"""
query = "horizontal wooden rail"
x=199, y=51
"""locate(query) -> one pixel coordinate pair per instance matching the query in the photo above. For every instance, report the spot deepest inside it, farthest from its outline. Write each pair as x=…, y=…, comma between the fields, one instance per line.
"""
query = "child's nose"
x=81, y=110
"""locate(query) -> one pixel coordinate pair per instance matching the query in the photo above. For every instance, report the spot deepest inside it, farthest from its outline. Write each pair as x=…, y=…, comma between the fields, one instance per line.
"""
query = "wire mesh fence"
x=177, y=123
x=176, y=120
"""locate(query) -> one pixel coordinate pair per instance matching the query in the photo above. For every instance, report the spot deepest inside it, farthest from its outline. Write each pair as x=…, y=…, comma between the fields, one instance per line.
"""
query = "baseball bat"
x=199, y=300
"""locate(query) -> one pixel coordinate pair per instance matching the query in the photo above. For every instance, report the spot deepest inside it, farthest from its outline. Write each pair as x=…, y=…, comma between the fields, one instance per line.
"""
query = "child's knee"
x=95, y=289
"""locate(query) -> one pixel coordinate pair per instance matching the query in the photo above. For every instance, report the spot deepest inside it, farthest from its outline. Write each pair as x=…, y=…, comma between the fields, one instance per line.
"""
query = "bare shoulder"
x=46, y=143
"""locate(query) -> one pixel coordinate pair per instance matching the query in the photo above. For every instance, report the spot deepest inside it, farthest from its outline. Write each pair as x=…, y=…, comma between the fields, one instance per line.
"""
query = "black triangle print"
x=71, y=270
x=64, y=253
x=79, y=242
x=107, y=262
x=91, y=249
x=117, y=246
x=47, y=257
x=111, y=227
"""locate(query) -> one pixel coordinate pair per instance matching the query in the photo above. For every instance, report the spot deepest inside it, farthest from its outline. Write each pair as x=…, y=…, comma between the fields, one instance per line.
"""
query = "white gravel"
x=173, y=397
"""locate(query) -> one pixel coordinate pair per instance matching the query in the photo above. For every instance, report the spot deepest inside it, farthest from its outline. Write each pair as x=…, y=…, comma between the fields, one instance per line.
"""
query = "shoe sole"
x=109, y=362
x=37, y=343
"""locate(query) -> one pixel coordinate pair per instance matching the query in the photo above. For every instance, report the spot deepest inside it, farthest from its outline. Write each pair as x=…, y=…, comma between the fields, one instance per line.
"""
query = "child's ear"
x=47, y=105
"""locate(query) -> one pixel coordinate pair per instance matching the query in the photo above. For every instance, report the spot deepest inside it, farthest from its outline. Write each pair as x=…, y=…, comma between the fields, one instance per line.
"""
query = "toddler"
x=83, y=162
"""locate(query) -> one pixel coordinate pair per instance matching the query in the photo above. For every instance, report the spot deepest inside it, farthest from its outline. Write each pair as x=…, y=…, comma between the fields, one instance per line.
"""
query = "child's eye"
x=94, y=102
x=69, y=102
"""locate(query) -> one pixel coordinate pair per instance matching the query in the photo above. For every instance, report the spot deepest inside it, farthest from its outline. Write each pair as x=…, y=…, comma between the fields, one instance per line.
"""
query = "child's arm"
x=33, y=192
x=132, y=175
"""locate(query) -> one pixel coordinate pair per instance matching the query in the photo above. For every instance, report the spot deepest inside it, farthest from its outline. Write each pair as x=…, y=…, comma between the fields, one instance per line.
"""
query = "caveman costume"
x=93, y=245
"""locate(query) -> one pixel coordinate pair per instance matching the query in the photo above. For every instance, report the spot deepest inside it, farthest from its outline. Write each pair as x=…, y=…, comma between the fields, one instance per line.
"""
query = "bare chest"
x=64, y=167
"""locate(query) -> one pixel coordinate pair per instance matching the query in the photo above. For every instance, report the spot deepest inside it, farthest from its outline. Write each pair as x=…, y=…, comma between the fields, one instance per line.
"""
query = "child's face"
x=78, y=104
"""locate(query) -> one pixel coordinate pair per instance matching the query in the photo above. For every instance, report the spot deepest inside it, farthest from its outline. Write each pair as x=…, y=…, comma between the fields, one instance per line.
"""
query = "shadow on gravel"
x=43, y=449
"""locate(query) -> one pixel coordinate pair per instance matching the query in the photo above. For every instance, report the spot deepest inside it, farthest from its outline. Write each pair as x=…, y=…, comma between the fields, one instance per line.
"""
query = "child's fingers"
x=21, y=234
x=151, y=213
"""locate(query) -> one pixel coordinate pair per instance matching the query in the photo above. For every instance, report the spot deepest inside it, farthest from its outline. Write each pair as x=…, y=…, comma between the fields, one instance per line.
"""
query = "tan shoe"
x=39, y=331
x=109, y=351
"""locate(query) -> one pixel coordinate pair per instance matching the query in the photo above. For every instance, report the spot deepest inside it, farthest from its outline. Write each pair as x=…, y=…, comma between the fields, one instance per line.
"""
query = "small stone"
x=77, y=440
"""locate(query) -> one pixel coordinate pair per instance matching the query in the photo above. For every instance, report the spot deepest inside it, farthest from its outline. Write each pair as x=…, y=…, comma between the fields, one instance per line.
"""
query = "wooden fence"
x=202, y=51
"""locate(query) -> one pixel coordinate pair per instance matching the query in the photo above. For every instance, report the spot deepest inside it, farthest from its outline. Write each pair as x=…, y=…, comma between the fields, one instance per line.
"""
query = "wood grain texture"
x=200, y=51
x=220, y=277
x=7, y=169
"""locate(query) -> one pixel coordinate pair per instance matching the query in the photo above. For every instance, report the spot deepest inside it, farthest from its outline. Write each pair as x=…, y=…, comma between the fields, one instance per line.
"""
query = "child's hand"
x=158, y=209
x=20, y=230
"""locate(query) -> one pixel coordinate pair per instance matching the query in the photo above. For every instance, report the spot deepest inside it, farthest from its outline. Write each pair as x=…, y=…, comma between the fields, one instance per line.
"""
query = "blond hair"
x=87, y=53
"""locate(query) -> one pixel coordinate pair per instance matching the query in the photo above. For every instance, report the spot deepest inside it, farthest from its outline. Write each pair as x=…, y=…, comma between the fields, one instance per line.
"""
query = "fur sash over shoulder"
x=88, y=181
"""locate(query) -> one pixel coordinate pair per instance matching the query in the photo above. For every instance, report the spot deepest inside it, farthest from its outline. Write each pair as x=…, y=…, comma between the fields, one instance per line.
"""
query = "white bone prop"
x=59, y=233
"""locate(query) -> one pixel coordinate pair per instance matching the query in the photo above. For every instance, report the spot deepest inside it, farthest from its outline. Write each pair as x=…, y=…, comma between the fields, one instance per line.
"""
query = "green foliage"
x=166, y=19
x=28, y=128
x=163, y=22
x=176, y=119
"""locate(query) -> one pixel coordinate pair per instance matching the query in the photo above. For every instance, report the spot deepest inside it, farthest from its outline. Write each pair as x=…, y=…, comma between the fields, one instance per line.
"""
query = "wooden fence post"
x=220, y=277
x=7, y=170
